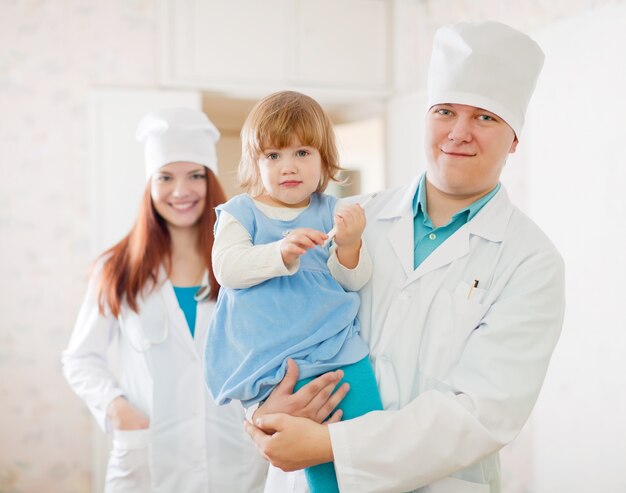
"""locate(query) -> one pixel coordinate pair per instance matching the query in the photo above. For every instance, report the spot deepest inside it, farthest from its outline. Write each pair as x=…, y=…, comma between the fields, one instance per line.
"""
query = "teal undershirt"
x=426, y=238
x=187, y=303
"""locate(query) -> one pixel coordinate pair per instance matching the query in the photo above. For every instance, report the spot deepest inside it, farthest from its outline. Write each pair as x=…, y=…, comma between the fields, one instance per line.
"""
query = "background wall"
x=577, y=183
x=570, y=177
x=52, y=54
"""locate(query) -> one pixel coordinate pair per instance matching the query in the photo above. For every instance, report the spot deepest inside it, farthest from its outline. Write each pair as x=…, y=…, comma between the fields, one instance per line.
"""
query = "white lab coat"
x=192, y=445
x=459, y=371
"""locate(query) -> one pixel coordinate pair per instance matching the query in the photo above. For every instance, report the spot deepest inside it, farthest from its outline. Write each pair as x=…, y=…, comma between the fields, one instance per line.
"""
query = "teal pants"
x=362, y=398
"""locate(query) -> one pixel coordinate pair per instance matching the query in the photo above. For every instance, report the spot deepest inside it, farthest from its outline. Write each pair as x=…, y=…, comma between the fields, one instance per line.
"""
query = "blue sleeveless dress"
x=306, y=316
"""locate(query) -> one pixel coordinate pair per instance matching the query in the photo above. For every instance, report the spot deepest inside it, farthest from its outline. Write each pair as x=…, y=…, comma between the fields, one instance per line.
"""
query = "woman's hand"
x=315, y=400
x=291, y=443
x=124, y=416
x=297, y=242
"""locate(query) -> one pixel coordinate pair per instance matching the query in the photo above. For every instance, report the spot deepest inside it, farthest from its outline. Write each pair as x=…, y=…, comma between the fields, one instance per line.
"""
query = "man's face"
x=466, y=148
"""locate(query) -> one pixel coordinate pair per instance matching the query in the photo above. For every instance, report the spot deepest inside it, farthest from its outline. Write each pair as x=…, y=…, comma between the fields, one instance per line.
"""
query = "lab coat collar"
x=490, y=223
x=492, y=220
x=179, y=329
x=398, y=208
x=398, y=212
x=204, y=291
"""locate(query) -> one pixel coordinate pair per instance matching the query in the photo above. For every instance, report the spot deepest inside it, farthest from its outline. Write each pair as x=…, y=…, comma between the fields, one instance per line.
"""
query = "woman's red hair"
x=133, y=264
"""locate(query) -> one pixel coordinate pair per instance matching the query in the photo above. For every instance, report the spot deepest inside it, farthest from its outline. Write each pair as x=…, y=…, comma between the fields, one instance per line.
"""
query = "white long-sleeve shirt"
x=238, y=264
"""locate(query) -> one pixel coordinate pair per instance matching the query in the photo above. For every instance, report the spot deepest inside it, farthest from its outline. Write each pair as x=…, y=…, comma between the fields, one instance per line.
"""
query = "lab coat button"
x=404, y=295
x=432, y=236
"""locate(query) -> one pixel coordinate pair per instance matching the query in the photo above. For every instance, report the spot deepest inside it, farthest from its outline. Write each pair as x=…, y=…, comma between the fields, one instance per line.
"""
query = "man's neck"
x=442, y=206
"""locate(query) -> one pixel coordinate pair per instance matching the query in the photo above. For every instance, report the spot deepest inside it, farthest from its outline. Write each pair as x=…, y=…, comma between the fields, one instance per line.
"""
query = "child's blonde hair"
x=274, y=122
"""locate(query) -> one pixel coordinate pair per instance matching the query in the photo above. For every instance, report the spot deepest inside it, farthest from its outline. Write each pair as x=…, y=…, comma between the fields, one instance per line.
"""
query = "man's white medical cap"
x=177, y=134
x=485, y=64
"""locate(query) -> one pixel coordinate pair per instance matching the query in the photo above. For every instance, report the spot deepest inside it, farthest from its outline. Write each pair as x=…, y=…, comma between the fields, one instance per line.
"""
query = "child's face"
x=289, y=174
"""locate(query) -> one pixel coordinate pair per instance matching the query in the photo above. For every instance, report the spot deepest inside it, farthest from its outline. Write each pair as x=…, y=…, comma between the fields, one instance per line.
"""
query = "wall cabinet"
x=250, y=48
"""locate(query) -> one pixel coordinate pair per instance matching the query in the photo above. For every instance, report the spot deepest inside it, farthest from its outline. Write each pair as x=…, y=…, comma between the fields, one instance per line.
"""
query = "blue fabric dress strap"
x=239, y=207
x=242, y=208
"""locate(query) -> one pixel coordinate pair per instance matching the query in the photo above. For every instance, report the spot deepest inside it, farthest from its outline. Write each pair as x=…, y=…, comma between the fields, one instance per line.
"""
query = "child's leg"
x=362, y=398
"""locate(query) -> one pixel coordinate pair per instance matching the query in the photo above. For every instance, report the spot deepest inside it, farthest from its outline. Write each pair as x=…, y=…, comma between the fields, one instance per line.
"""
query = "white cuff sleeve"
x=250, y=412
x=237, y=263
x=351, y=279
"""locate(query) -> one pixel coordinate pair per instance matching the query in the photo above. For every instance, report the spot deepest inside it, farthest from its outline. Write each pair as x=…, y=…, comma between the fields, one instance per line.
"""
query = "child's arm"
x=349, y=262
x=351, y=279
x=237, y=263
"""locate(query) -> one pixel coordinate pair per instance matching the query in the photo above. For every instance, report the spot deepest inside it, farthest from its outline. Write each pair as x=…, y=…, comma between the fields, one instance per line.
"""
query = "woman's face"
x=178, y=193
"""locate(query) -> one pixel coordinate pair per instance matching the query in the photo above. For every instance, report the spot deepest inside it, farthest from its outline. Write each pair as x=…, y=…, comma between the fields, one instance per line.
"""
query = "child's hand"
x=297, y=242
x=350, y=223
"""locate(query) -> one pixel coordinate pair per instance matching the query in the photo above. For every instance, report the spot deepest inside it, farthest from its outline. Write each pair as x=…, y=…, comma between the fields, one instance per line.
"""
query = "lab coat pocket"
x=128, y=469
x=468, y=312
x=454, y=314
x=130, y=439
x=454, y=485
x=468, y=307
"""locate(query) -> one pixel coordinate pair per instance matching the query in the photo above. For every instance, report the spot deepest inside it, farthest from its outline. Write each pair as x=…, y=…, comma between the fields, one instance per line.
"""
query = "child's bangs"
x=283, y=131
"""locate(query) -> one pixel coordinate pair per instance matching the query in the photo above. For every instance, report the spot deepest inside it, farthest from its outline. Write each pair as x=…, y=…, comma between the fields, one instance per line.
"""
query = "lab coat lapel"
x=399, y=211
x=490, y=223
x=204, y=312
x=401, y=239
x=179, y=330
x=493, y=219
x=453, y=248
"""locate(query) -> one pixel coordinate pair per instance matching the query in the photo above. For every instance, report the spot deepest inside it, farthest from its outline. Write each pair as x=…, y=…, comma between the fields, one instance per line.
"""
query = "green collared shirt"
x=426, y=238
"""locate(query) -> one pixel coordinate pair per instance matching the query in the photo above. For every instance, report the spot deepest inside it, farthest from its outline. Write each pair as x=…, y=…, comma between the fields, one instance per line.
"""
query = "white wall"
x=53, y=53
x=578, y=195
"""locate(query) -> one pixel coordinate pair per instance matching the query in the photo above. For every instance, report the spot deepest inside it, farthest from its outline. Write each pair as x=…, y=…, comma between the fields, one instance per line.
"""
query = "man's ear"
x=513, y=145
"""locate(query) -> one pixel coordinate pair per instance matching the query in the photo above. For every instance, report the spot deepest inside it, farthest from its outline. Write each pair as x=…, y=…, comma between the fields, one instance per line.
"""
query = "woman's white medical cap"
x=177, y=134
x=485, y=64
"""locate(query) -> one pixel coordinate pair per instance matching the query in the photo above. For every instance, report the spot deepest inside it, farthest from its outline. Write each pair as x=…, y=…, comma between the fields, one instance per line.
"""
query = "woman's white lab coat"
x=459, y=368
x=192, y=445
